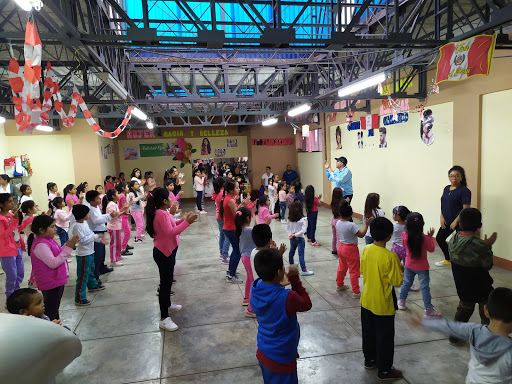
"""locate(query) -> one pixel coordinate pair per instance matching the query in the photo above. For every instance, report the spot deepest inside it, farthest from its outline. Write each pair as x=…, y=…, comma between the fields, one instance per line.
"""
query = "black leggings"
x=52, y=298
x=441, y=237
x=166, y=270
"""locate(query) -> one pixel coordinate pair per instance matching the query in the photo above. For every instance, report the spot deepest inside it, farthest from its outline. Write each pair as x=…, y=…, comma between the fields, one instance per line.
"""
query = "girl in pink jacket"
x=262, y=210
x=49, y=262
x=11, y=254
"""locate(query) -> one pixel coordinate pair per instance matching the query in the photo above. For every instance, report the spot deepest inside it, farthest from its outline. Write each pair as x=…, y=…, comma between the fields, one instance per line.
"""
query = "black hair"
x=208, y=146
x=29, y=204
x=49, y=186
x=5, y=177
x=371, y=205
x=295, y=211
x=121, y=173
x=309, y=197
x=135, y=192
x=20, y=299
x=169, y=182
x=106, y=180
x=298, y=186
x=499, y=304
x=97, y=186
x=414, y=228
x=57, y=201
x=337, y=197
x=91, y=195
x=218, y=183
x=241, y=216
x=68, y=189
x=135, y=171
x=229, y=186
x=155, y=201
x=41, y=222
x=255, y=194
x=268, y=166
x=261, y=235
x=81, y=187
x=4, y=197
x=459, y=169
x=345, y=209
x=109, y=196
x=267, y=263
x=382, y=129
x=23, y=188
x=282, y=186
x=262, y=202
x=381, y=228
x=470, y=219
x=120, y=186
x=402, y=212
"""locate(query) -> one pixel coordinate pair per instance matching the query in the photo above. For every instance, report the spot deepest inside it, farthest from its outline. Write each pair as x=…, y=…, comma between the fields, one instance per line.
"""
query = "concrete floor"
x=216, y=343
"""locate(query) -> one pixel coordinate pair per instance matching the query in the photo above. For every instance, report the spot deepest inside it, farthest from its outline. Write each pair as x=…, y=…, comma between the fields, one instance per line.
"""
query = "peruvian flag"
x=369, y=121
x=466, y=58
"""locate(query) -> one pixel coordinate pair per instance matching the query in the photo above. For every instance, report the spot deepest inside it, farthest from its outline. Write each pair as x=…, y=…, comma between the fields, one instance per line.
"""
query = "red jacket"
x=8, y=246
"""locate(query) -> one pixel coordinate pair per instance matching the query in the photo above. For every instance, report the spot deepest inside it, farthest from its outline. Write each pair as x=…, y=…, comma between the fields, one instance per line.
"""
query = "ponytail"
x=262, y=201
x=228, y=187
x=240, y=218
x=155, y=200
x=54, y=204
x=109, y=196
x=68, y=189
x=414, y=228
x=29, y=204
x=49, y=186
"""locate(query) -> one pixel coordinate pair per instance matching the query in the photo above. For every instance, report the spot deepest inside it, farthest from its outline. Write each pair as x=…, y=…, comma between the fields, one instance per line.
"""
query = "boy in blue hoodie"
x=276, y=309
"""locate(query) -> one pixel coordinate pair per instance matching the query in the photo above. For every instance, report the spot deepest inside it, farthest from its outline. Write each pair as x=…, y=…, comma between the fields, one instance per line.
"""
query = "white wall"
x=496, y=160
x=311, y=170
x=4, y=150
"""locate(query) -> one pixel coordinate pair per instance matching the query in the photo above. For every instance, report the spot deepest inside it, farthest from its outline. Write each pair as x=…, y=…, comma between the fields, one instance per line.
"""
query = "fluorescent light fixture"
x=305, y=130
x=138, y=113
x=150, y=124
x=2, y=119
x=270, y=121
x=44, y=128
x=112, y=82
x=363, y=84
x=24, y=4
x=299, y=110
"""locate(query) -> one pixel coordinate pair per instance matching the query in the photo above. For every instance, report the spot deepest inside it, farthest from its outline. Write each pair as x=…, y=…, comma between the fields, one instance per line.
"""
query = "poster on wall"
x=219, y=152
x=232, y=143
x=131, y=153
x=360, y=143
x=426, y=125
x=157, y=150
x=338, y=137
x=206, y=148
x=382, y=137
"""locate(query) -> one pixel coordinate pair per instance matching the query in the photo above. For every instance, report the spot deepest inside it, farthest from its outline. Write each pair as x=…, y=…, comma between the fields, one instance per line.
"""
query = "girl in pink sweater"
x=123, y=190
x=62, y=219
x=49, y=262
x=262, y=210
x=161, y=226
x=114, y=226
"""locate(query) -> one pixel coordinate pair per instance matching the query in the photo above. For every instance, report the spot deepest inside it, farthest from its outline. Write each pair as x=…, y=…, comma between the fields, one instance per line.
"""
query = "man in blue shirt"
x=342, y=177
x=290, y=176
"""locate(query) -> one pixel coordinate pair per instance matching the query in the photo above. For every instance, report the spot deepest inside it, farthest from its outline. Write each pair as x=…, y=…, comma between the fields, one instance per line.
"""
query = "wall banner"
x=157, y=150
x=400, y=118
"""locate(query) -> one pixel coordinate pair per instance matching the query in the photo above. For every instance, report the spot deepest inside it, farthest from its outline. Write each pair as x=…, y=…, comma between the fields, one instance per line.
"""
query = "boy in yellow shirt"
x=381, y=272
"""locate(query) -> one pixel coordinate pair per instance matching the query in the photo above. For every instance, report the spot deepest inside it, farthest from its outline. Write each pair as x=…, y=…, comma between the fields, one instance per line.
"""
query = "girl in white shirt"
x=199, y=180
x=26, y=192
x=296, y=227
x=371, y=210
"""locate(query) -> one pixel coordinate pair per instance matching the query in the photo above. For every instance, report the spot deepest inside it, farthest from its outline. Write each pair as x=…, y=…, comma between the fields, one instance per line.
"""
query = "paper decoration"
x=369, y=121
x=331, y=117
x=184, y=152
x=399, y=118
x=350, y=117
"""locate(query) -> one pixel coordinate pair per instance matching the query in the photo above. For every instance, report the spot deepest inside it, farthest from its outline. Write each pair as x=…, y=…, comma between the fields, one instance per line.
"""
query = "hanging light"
x=270, y=121
x=299, y=110
x=363, y=84
x=44, y=128
x=2, y=119
x=24, y=4
x=305, y=130
x=150, y=124
x=138, y=113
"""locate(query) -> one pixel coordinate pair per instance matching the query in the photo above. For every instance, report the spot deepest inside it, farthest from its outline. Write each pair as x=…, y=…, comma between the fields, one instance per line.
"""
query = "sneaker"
x=370, y=364
x=98, y=288
x=126, y=252
x=356, y=295
x=117, y=264
x=99, y=282
x=309, y=240
x=82, y=303
x=173, y=293
x=245, y=302
x=249, y=313
x=122, y=257
x=340, y=288
x=431, y=313
x=444, y=263
x=174, y=281
x=128, y=247
x=283, y=221
x=234, y=280
x=225, y=261
x=401, y=305
x=392, y=374
x=158, y=292
x=334, y=253
x=306, y=273
x=168, y=325
x=138, y=241
x=316, y=244
x=175, y=307
x=203, y=212
x=414, y=288
x=221, y=257
x=1, y=272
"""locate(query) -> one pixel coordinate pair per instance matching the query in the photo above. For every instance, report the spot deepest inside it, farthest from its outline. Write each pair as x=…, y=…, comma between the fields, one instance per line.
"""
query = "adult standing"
x=7, y=187
x=290, y=176
x=237, y=174
x=455, y=198
x=342, y=177
x=266, y=176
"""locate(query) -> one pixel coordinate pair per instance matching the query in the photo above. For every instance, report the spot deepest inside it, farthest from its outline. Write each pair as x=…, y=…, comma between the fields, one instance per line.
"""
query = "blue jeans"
x=234, y=259
x=368, y=240
x=282, y=206
x=14, y=271
x=63, y=236
x=297, y=242
x=199, y=200
x=270, y=377
x=312, y=218
x=424, y=278
x=223, y=241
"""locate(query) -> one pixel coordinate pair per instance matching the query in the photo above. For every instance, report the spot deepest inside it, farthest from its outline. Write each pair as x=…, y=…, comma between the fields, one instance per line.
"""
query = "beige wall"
x=496, y=180
x=4, y=150
x=310, y=165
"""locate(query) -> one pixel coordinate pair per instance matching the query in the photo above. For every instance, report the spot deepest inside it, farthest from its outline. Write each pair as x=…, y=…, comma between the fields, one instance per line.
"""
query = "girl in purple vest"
x=49, y=262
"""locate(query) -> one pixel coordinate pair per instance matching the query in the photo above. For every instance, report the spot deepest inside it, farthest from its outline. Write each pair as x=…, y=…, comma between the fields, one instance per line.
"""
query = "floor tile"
x=247, y=375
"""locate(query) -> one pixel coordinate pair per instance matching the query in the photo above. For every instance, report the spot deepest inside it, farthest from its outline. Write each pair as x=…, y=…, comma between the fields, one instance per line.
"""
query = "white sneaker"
x=123, y=257
x=175, y=307
x=117, y=264
x=168, y=325
x=203, y=212
x=283, y=221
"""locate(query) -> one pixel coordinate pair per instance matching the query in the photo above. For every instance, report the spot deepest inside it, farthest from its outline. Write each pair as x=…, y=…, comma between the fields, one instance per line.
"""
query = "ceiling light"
x=2, y=119
x=44, y=128
x=270, y=121
x=113, y=83
x=363, y=84
x=299, y=110
x=305, y=130
x=24, y=4
x=138, y=113
x=150, y=124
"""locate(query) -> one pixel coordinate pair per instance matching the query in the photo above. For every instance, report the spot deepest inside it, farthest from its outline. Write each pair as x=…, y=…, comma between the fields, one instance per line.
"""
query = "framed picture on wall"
x=131, y=153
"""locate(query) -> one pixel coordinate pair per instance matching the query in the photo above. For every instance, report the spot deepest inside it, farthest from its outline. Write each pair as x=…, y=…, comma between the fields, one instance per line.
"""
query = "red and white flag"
x=466, y=58
x=369, y=121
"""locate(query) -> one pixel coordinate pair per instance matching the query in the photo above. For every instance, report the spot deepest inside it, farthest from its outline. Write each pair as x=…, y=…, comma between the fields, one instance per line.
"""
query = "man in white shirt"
x=267, y=175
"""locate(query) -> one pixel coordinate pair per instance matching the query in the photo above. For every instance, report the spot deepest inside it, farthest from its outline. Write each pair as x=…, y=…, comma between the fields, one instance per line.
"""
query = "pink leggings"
x=138, y=217
x=126, y=230
x=246, y=261
x=115, y=245
x=335, y=237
